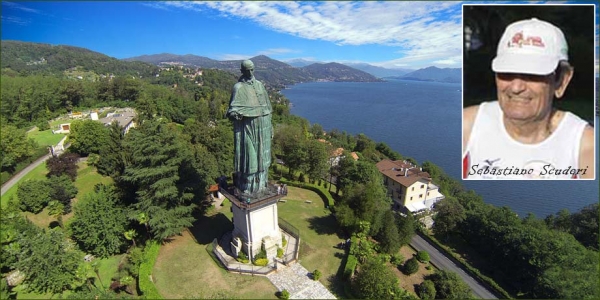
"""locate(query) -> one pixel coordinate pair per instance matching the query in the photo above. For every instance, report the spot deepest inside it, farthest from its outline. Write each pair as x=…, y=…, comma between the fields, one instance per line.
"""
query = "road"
x=442, y=262
x=7, y=185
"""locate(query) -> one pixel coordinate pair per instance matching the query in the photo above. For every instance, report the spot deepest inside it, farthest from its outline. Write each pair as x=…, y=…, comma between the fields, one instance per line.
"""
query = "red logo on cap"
x=518, y=40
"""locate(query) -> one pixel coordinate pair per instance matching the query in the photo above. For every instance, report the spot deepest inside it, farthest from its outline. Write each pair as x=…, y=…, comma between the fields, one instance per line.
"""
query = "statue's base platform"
x=251, y=202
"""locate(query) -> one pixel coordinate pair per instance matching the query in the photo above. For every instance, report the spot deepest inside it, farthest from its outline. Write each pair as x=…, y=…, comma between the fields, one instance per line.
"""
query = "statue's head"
x=247, y=68
x=247, y=65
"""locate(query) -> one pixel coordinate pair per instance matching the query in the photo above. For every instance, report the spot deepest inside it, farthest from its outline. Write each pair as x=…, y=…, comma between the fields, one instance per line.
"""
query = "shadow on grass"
x=206, y=228
x=325, y=225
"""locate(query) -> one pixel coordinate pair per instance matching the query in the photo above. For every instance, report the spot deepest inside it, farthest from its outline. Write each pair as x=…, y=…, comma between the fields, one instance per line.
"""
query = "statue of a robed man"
x=250, y=110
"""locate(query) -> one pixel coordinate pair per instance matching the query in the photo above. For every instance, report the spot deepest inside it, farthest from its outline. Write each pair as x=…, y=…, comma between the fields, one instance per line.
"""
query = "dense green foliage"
x=146, y=286
x=423, y=256
x=376, y=281
x=426, y=290
x=14, y=146
x=63, y=190
x=99, y=223
x=87, y=137
x=33, y=195
x=583, y=225
x=411, y=266
x=48, y=260
x=449, y=286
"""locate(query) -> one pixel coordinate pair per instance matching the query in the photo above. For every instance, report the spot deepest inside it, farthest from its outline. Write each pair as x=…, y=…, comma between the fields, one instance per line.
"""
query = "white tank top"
x=492, y=154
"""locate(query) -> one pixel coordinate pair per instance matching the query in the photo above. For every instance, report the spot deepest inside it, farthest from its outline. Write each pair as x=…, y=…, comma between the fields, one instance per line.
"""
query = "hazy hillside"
x=34, y=58
x=452, y=75
x=379, y=71
x=271, y=71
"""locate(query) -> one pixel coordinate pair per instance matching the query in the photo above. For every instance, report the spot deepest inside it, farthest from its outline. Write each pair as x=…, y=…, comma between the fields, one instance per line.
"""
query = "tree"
x=376, y=281
x=411, y=266
x=316, y=159
x=49, y=262
x=65, y=164
x=14, y=147
x=99, y=223
x=88, y=136
x=449, y=213
x=406, y=228
x=449, y=286
x=426, y=290
x=162, y=170
x=63, y=190
x=112, y=156
x=33, y=195
x=388, y=237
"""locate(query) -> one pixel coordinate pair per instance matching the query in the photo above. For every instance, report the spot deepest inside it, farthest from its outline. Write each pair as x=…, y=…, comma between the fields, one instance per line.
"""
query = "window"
x=427, y=193
x=410, y=198
x=420, y=195
x=422, y=186
x=413, y=188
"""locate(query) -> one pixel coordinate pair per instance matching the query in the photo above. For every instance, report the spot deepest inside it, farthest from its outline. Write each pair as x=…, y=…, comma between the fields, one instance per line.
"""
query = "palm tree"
x=130, y=236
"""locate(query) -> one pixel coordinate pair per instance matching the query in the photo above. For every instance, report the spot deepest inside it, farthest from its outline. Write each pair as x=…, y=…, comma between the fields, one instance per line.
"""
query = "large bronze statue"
x=250, y=110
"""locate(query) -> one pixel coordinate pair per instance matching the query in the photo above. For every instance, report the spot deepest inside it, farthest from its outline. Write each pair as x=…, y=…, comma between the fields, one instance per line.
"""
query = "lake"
x=422, y=120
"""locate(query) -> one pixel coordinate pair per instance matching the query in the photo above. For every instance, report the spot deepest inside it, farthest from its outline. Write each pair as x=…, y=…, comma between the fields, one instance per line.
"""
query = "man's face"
x=525, y=97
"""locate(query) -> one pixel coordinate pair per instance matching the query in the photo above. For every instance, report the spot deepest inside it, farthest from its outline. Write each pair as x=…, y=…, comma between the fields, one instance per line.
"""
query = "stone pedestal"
x=255, y=222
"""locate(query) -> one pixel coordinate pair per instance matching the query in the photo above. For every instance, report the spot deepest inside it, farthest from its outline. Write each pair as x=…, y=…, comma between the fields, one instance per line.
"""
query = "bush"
x=284, y=294
x=411, y=266
x=397, y=259
x=351, y=263
x=316, y=275
x=323, y=193
x=279, y=252
x=426, y=290
x=283, y=241
x=146, y=286
x=423, y=256
x=242, y=257
x=261, y=262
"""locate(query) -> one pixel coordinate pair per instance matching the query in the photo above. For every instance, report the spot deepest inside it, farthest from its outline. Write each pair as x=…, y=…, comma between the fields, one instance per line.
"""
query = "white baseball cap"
x=530, y=47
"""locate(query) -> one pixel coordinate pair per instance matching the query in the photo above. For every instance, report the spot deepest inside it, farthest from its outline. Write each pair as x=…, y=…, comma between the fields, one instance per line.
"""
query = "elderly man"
x=250, y=110
x=521, y=136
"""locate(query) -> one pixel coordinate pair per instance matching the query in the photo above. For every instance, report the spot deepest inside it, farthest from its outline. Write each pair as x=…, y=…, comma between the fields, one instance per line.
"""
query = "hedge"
x=350, y=266
x=146, y=286
x=323, y=193
x=470, y=268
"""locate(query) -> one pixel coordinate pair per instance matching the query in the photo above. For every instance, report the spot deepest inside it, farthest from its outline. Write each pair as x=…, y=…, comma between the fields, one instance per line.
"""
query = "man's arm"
x=586, y=153
x=469, y=114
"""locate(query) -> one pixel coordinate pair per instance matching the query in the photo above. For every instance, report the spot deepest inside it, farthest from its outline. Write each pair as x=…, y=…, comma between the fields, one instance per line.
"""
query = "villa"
x=411, y=189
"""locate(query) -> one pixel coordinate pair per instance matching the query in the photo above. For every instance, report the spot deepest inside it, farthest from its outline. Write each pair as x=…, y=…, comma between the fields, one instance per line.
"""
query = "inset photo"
x=529, y=92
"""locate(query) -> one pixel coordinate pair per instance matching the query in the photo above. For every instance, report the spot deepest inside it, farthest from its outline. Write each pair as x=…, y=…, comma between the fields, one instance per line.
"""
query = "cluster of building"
x=125, y=117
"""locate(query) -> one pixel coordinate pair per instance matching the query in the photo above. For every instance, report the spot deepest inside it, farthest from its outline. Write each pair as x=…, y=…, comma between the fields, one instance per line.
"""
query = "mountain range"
x=29, y=58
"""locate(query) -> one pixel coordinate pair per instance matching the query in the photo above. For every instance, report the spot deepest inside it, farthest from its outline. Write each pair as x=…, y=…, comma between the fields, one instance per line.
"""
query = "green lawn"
x=319, y=235
x=46, y=137
x=184, y=269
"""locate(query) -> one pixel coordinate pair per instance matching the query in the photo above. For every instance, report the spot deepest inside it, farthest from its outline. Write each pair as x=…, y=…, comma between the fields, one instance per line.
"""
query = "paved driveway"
x=442, y=262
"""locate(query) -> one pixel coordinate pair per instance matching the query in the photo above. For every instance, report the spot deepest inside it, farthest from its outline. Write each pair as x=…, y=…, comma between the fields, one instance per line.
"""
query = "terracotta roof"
x=354, y=155
x=213, y=188
x=337, y=152
x=402, y=172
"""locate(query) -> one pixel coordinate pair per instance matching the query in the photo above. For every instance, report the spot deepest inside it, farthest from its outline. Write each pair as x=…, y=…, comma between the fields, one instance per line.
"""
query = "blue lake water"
x=422, y=120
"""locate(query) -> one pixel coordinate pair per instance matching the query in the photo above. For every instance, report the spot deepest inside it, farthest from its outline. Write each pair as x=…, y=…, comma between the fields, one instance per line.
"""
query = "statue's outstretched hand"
x=235, y=115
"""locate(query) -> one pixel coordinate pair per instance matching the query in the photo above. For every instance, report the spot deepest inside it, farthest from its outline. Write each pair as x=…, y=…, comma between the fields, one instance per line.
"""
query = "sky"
x=390, y=34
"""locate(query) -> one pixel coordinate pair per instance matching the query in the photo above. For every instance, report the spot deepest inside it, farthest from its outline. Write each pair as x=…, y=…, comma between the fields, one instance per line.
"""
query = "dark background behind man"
x=483, y=27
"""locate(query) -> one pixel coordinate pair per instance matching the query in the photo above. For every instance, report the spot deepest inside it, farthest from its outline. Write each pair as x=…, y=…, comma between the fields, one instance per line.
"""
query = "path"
x=7, y=185
x=442, y=262
x=296, y=279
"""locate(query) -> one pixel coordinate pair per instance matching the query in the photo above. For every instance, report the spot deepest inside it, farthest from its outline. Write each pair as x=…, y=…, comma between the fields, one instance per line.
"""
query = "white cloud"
x=423, y=29
x=15, y=20
x=21, y=7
